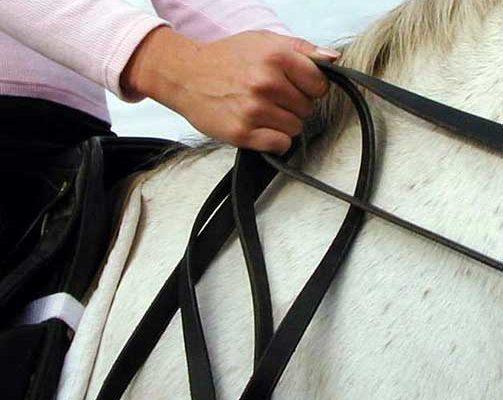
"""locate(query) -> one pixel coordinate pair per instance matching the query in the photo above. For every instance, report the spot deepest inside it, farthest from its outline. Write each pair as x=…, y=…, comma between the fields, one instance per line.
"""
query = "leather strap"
x=383, y=214
x=460, y=123
x=246, y=180
x=292, y=328
x=204, y=245
x=163, y=308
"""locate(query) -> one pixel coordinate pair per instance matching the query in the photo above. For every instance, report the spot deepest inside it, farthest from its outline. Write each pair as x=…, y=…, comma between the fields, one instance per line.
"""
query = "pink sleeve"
x=95, y=38
x=208, y=20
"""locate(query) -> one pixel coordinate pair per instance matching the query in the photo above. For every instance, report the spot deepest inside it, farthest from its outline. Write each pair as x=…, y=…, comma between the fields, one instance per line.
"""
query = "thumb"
x=314, y=52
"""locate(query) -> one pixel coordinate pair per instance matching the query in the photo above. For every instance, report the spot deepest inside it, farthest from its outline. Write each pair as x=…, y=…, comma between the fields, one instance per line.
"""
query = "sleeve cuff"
x=122, y=51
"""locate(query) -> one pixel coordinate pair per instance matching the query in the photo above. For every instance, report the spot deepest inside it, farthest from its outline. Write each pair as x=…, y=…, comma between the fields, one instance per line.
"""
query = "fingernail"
x=326, y=52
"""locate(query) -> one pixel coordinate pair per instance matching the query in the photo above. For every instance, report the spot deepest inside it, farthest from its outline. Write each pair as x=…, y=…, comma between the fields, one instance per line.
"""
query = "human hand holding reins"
x=252, y=90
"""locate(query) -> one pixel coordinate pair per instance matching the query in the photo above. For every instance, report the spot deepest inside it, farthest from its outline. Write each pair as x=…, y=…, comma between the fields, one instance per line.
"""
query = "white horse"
x=405, y=318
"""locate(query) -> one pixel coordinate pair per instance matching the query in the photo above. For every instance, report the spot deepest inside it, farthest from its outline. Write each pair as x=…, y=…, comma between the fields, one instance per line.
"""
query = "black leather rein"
x=231, y=205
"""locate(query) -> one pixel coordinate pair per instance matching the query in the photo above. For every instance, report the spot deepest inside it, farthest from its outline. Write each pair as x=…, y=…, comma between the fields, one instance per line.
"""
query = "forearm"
x=95, y=38
x=208, y=20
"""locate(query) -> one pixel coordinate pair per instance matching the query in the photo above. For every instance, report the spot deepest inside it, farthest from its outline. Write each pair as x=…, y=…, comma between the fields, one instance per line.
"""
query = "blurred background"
x=320, y=21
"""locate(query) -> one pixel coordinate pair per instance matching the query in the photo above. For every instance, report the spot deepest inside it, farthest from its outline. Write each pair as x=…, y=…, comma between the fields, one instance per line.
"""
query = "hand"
x=252, y=90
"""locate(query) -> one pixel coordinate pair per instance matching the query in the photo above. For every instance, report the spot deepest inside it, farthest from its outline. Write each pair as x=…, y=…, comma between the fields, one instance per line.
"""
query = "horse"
x=404, y=318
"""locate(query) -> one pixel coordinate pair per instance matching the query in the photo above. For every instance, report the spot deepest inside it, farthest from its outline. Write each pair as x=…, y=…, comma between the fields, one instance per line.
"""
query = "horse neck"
x=425, y=173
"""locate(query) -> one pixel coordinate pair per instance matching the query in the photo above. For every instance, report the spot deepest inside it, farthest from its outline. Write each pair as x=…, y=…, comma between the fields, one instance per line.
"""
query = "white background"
x=320, y=21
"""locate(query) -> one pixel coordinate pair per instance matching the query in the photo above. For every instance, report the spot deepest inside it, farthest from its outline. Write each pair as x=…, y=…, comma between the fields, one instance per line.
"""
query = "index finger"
x=305, y=75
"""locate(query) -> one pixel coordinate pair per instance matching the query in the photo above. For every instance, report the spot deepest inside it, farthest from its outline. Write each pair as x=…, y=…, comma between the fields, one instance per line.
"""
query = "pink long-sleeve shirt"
x=68, y=51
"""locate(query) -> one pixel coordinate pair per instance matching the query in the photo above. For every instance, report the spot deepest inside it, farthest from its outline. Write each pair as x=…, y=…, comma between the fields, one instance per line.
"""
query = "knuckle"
x=262, y=84
x=240, y=135
x=276, y=57
x=270, y=84
x=254, y=82
x=253, y=110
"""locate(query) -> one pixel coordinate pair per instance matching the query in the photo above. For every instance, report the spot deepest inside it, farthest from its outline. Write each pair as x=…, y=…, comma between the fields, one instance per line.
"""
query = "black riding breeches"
x=46, y=246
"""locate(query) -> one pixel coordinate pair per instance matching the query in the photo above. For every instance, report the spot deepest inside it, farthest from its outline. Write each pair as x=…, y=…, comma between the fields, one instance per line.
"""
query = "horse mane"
x=410, y=26
x=388, y=43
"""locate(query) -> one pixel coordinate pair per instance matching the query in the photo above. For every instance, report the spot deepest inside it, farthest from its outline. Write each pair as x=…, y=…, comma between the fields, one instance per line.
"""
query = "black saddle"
x=56, y=219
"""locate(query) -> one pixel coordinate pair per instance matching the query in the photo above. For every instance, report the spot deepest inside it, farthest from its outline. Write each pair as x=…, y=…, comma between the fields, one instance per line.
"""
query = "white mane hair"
x=413, y=25
x=404, y=317
x=389, y=45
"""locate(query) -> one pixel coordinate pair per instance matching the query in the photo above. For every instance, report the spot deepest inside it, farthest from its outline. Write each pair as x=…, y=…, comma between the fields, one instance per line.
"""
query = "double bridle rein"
x=231, y=206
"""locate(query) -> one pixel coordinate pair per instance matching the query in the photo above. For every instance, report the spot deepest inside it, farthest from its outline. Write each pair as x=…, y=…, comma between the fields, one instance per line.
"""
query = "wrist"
x=157, y=68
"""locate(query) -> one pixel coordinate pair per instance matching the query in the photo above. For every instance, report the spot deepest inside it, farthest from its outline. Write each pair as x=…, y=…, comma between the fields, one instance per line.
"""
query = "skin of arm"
x=252, y=90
